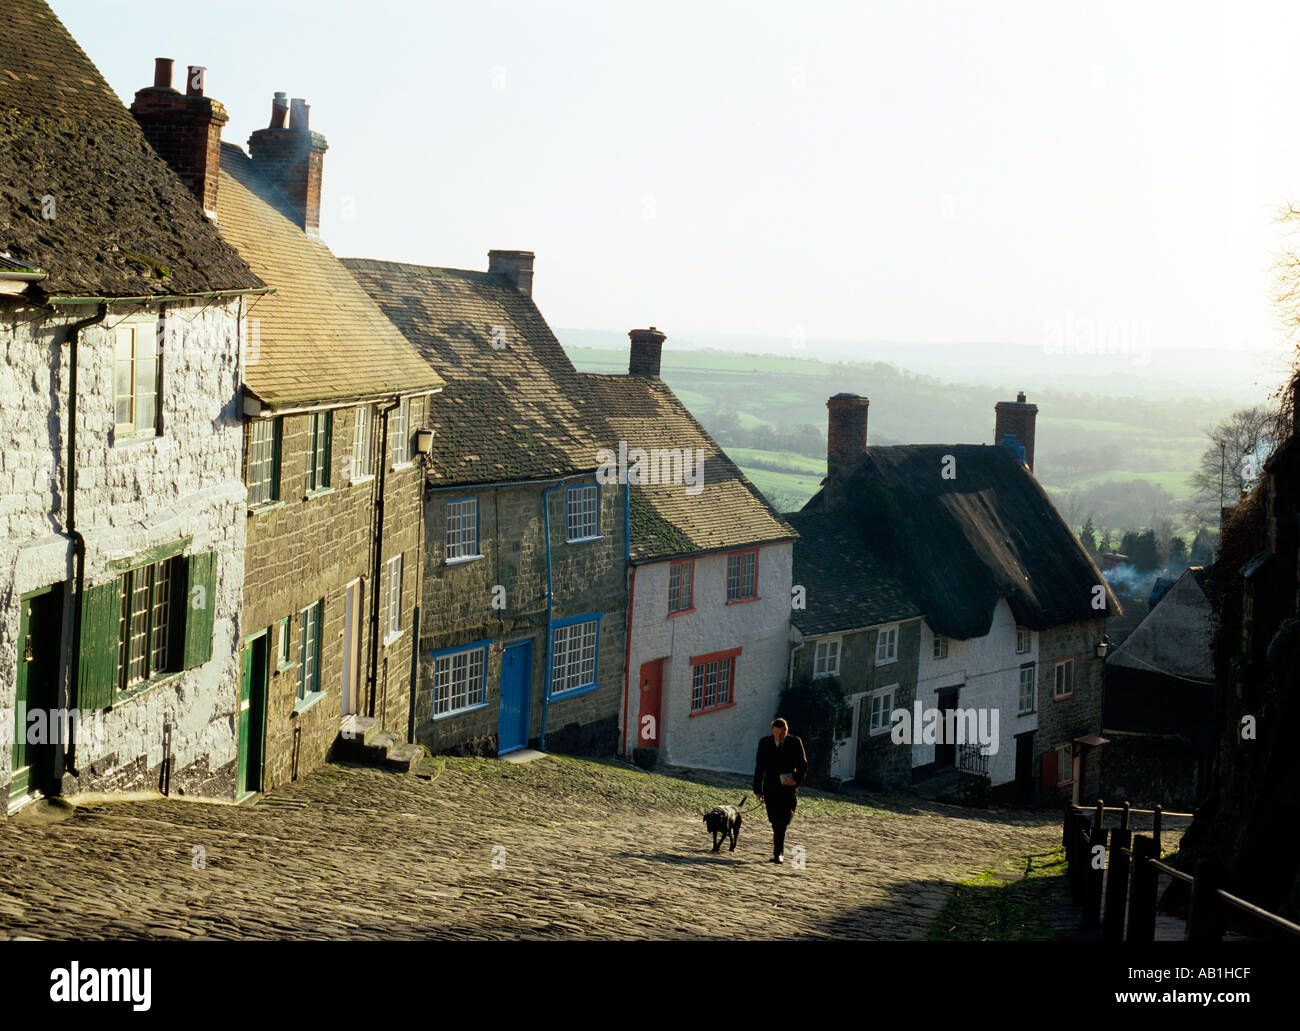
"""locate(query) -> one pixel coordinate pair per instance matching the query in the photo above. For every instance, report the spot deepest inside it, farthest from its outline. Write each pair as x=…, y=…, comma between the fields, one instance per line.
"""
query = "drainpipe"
x=78, y=541
x=550, y=634
x=378, y=563
x=627, y=659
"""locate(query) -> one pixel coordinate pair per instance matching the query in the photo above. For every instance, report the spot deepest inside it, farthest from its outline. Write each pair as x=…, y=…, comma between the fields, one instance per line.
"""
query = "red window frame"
x=728, y=657
x=740, y=555
x=689, y=605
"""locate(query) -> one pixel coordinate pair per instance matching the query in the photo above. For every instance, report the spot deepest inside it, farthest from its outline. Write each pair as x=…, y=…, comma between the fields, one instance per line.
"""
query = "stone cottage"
x=332, y=402
x=709, y=595
x=1014, y=609
x=122, y=321
x=525, y=549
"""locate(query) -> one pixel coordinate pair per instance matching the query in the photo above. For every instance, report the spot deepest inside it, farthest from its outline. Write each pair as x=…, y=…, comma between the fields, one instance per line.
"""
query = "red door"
x=652, y=683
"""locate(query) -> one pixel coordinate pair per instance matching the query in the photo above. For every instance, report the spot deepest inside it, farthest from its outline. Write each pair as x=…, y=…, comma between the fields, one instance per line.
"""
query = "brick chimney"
x=185, y=129
x=516, y=266
x=291, y=160
x=647, y=352
x=1016, y=419
x=846, y=433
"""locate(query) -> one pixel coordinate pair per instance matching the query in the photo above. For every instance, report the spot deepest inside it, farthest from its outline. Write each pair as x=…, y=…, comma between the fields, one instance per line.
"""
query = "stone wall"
x=1060, y=721
x=182, y=485
x=462, y=606
x=309, y=547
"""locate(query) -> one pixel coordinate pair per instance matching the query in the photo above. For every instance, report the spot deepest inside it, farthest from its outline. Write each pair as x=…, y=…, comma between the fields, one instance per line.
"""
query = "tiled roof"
x=123, y=225
x=514, y=407
x=846, y=586
x=319, y=337
x=960, y=544
x=666, y=520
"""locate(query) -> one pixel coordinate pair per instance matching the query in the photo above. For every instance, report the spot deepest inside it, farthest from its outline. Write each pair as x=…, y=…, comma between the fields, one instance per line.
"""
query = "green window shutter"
x=200, y=605
x=101, y=608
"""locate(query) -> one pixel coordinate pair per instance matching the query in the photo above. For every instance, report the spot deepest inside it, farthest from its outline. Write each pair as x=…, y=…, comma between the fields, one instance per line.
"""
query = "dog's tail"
x=742, y=802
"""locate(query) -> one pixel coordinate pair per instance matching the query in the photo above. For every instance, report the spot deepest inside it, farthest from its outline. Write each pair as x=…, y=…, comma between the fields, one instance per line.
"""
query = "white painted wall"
x=989, y=669
x=723, y=739
x=131, y=496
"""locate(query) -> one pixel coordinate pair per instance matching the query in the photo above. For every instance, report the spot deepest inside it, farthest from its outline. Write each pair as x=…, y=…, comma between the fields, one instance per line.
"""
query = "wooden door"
x=945, y=751
x=351, y=648
x=1025, y=766
x=36, y=698
x=516, y=696
x=252, y=710
x=652, y=687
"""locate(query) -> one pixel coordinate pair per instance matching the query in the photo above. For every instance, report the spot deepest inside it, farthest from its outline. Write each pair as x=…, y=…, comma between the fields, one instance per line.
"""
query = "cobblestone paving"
x=546, y=850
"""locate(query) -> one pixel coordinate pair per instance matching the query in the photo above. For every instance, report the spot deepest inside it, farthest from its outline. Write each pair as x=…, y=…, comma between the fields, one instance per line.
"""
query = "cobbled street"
x=556, y=848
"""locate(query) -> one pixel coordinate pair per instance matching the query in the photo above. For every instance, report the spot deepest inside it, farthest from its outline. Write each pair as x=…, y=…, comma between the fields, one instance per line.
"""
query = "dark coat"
x=772, y=761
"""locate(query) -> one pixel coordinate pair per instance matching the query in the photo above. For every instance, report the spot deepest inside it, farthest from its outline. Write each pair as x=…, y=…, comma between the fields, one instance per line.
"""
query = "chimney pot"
x=194, y=81
x=1016, y=419
x=184, y=129
x=647, y=352
x=846, y=433
x=162, y=73
x=279, y=110
x=299, y=113
x=516, y=266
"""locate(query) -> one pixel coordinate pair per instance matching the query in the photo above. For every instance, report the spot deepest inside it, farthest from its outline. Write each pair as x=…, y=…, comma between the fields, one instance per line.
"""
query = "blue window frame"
x=574, y=651
x=460, y=679
x=582, y=513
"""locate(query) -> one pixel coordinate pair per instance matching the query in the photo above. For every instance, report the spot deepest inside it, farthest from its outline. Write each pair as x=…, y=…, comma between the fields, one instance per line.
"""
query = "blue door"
x=516, y=680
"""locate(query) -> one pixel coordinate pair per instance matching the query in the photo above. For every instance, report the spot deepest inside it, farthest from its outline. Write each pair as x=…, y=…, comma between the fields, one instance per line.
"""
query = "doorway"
x=351, y=648
x=648, y=714
x=1025, y=766
x=36, y=696
x=844, y=764
x=516, y=694
x=252, y=714
x=945, y=750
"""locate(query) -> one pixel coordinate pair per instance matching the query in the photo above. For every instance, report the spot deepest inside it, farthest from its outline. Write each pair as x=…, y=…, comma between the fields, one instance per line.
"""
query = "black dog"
x=723, y=822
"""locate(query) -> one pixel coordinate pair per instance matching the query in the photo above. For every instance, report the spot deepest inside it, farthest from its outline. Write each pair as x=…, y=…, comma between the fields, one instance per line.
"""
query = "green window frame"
x=264, y=437
x=318, y=464
x=309, y=641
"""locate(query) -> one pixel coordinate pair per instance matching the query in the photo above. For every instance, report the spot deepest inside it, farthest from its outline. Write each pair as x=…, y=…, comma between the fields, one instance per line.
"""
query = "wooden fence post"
x=1123, y=820
x=1205, y=915
x=1093, y=879
x=1078, y=856
x=1142, y=901
x=1117, y=863
x=1100, y=818
x=1155, y=833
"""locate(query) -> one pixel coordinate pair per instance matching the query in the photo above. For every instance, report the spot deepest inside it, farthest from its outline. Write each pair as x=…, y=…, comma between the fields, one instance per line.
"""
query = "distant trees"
x=1088, y=537
x=1239, y=447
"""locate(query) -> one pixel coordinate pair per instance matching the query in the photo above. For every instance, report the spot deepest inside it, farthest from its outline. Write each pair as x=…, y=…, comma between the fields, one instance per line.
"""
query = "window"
x=882, y=708
x=1064, y=765
x=940, y=646
x=826, y=658
x=1028, y=689
x=400, y=430
x=263, y=461
x=1064, y=678
x=462, y=529
x=144, y=646
x=886, y=645
x=318, y=462
x=137, y=368
x=1024, y=640
x=286, y=648
x=459, y=680
x=742, y=575
x=309, y=620
x=583, y=515
x=362, y=433
x=713, y=680
x=574, y=655
x=393, y=579
x=680, y=585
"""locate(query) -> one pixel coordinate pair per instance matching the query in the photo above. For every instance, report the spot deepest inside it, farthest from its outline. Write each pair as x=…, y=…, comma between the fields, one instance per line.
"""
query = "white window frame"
x=826, y=657
x=393, y=598
x=887, y=645
x=1032, y=670
x=263, y=461
x=459, y=674
x=1063, y=670
x=940, y=649
x=399, y=430
x=362, y=437
x=1023, y=632
x=582, y=511
x=1065, y=752
x=574, y=649
x=133, y=333
x=462, y=516
x=885, y=709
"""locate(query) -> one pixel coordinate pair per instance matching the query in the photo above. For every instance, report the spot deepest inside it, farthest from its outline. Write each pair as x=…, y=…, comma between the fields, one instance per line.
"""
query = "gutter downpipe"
x=631, y=608
x=377, y=565
x=78, y=541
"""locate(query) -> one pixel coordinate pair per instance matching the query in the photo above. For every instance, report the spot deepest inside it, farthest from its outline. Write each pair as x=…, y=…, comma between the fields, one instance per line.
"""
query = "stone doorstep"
x=403, y=757
x=364, y=729
x=523, y=755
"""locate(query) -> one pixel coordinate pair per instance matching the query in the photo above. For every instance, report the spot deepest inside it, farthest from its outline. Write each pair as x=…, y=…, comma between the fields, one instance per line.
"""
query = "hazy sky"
x=921, y=171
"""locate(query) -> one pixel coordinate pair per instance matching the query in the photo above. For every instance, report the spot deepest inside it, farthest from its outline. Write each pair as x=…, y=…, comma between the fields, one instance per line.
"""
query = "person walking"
x=779, y=769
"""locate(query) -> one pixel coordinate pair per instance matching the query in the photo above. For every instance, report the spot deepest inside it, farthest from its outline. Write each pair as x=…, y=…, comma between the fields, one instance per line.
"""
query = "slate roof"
x=847, y=586
x=124, y=224
x=1174, y=637
x=319, y=337
x=729, y=512
x=514, y=411
x=959, y=545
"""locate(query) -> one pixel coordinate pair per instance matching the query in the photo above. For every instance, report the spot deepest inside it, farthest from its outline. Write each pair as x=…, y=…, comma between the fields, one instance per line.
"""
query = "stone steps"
x=362, y=740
